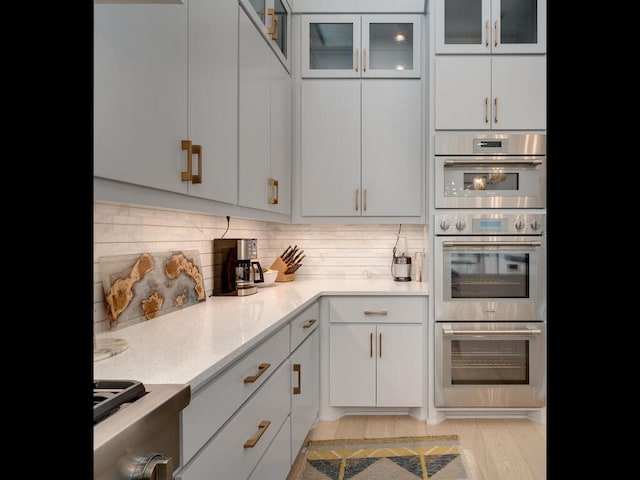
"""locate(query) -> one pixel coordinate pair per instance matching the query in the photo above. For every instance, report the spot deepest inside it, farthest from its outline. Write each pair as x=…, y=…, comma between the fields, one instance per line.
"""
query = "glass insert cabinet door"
x=354, y=46
x=272, y=18
x=490, y=26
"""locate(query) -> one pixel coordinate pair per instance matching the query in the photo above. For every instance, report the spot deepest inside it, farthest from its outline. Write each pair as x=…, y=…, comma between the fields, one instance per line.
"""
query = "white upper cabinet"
x=490, y=26
x=499, y=92
x=273, y=20
x=361, y=148
x=165, y=96
x=360, y=46
x=264, y=155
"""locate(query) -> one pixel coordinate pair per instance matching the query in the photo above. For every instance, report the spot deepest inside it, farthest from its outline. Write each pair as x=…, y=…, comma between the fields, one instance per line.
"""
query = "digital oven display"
x=492, y=225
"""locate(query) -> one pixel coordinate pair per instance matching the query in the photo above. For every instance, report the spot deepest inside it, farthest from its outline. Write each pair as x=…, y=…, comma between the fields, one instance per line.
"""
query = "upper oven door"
x=490, y=278
x=490, y=181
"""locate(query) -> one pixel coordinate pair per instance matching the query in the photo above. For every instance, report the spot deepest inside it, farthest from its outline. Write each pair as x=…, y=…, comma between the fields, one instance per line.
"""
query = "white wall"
x=344, y=250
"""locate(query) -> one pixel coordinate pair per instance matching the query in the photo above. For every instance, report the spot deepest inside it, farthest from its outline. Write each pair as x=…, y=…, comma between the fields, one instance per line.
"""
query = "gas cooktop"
x=110, y=396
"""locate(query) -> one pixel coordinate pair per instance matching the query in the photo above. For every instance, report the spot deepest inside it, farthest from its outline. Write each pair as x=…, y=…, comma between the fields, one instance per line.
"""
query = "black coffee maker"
x=234, y=264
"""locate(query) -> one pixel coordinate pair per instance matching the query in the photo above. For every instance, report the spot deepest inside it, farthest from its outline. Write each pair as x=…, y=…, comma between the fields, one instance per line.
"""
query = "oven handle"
x=491, y=244
x=449, y=332
x=450, y=162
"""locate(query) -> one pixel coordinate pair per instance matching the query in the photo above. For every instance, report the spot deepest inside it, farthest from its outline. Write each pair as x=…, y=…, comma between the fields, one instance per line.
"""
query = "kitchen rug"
x=436, y=457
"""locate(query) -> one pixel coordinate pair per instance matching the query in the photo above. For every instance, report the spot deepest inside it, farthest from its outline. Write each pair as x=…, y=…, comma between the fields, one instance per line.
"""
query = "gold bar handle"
x=486, y=109
x=380, y=345
x=364, y=59
x=197, y=149
x=487, y=33
x=262, y=427
x=297, y=368
x=376, y=312
x=273, y=199
x=186, y=145
x=495, y=38
x=355, y=55
x=364, y=200
x=356, y=199
x=261, y=369
x=309, y=323
x=371, y=344
x=273, y=30
x=495, y=102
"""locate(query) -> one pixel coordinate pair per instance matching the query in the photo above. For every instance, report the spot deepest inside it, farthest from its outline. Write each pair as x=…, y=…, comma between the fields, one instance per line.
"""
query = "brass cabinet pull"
x=356, y=199
x=273, y=198
x=262, y=427
x=297, y=368
x=273, y=30
x=376, y=312
x=186, y=145
x=380, y=351
x=487, y=33
x=261, y=369
x=486, y=109
x=364, y=59
x=309, y=323
x=371, y=344
x=197, y=149
x=364, y=200
x=495, y=102
x=495, y=39
x=188, y=175
x=355, y=55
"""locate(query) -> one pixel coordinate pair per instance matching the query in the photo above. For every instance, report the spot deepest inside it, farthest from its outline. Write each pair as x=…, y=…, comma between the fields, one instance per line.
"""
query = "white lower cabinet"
x=376, y=351
x=238, y=447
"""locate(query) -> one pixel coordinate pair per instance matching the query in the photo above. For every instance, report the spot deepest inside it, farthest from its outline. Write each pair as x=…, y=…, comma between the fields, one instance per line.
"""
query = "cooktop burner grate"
x=110, y=395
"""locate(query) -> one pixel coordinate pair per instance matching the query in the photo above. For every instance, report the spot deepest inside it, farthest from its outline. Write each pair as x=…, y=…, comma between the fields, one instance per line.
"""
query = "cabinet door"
x=213, y=98
x=463, y=92
x=391, y=46
x=272, y=18
x=392, y=172
x=519, y=26
x=280, y=136
x=519, y=92
x=401, y=369
x=254, y=116
x=140, y=94
x=330, y=148
x=352, y=365
x=330, y=46
x=490, y=26
x=305, y=390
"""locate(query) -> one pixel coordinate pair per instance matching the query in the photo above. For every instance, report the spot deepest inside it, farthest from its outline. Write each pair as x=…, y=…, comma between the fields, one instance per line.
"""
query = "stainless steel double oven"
x=490, y=273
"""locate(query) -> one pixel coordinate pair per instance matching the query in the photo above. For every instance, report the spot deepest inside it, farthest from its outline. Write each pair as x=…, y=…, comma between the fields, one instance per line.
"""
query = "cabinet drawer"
x=276, y=463
x=368, y=309
x=304, y=324
x=226, y=456
x=211, y=406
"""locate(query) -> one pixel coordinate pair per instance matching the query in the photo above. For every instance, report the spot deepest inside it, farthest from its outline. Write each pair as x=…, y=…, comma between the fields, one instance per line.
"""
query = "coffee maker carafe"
x=233, y=270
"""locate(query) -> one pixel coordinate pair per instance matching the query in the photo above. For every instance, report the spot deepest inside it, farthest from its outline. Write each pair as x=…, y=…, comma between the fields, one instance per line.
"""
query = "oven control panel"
x=490, y=224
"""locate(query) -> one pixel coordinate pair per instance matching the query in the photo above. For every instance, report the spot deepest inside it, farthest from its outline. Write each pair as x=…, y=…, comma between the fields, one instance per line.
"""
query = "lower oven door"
x=490, y=365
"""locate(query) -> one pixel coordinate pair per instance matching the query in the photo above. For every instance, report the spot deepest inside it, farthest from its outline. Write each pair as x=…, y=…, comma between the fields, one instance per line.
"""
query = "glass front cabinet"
x=361, y=46
x=490, y=26
x=273, y=19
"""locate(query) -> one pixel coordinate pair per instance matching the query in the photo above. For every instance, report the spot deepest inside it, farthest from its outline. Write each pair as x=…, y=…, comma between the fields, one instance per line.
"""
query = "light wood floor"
x=499, y=449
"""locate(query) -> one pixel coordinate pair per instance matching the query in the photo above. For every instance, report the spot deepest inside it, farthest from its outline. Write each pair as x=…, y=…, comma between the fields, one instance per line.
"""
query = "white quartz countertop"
x=192, y=345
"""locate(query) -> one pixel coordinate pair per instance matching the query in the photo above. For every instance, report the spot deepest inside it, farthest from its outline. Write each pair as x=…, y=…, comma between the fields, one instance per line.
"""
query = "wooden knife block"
x=279, y=265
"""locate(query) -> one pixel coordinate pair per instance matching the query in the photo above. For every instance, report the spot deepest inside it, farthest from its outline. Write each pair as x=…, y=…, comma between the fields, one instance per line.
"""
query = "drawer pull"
x=262, y=427
x=375, y=312
x=309, y=323
x=261, y=369
x=297, y=368
x=371, y=344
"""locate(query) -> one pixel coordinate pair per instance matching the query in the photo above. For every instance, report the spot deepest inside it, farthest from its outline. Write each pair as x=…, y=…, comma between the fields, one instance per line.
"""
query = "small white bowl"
x=269, y=278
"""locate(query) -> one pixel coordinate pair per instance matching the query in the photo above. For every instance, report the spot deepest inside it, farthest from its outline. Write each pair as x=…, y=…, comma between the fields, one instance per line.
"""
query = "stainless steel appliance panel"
x=490, y=170
x=490, y=364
